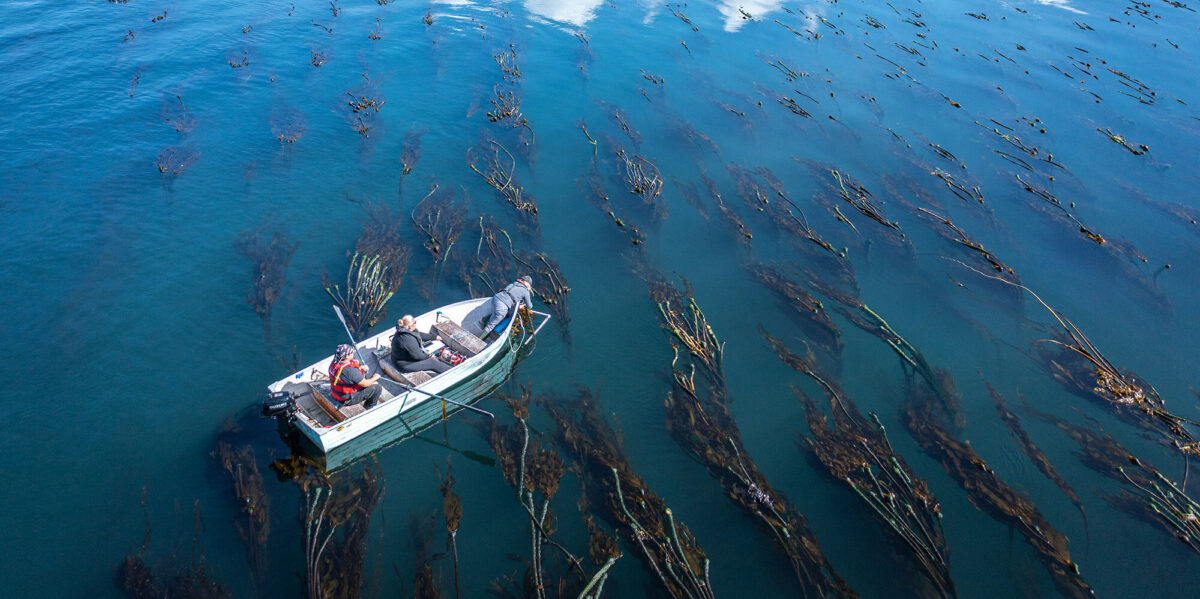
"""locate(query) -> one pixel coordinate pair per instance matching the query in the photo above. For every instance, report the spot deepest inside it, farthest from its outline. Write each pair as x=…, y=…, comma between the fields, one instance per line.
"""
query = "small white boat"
x=409, y=403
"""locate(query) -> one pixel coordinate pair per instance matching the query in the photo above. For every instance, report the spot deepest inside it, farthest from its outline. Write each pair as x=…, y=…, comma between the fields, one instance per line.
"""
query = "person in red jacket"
x=349, y=381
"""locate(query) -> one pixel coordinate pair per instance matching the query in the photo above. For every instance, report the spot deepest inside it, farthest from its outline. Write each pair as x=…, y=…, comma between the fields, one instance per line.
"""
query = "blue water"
x=129, y=341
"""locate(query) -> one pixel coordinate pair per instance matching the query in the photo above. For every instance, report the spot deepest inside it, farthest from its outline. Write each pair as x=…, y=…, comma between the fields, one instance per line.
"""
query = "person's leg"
x=499, y=311
x=370, y=395
x=433, y=364
x=356, y=397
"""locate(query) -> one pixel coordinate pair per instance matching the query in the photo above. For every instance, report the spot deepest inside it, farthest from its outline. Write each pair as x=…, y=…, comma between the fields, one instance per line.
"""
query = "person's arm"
x=355, y=376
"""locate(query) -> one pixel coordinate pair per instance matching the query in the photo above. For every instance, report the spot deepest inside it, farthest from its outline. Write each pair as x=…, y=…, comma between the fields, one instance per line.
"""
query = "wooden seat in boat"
x=459, y=339
x=408, y=378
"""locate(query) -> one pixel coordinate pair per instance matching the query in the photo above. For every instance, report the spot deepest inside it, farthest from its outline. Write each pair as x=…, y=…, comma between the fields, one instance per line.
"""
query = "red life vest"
x=342, y=390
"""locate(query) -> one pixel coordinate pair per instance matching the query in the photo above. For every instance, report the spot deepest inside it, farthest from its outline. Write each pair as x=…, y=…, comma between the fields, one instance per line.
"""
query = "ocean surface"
x=157, y=154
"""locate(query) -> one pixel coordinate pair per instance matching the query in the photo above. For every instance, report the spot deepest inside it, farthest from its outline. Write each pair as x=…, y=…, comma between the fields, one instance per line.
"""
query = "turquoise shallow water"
x=131, y=343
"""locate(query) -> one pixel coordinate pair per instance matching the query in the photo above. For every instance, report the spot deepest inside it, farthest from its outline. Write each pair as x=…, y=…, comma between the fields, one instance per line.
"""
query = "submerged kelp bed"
x=856, y=299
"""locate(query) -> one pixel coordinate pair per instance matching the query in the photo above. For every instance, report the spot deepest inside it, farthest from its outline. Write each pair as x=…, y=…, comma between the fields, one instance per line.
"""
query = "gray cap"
x=527, y=279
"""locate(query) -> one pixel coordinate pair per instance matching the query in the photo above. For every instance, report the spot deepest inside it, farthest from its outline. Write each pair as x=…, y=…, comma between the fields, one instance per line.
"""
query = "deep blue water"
x=129, y=341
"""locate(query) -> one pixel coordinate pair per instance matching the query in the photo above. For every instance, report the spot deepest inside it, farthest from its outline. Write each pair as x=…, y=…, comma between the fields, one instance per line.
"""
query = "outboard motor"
x=280, y=405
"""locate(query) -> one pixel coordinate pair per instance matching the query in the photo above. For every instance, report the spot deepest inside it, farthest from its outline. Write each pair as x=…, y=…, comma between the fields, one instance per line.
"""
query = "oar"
x=449, y=401
x=353, y=343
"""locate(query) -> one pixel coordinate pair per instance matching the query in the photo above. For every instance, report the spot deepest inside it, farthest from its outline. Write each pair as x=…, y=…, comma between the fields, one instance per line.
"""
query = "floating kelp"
x=335, y=514
x=582, y=124
x=691, y=195
x=1163, y=504
x=807, y=310
x=364, y=104
x=1186, y=215
x=238, y=62
x=424, y=582
x=705, y=429
x=729, y=216
x=1125, y=256
x=938, y=380
x=682, y=17
x=506, y=109
x=1153, y=497
x=972, y=194
x=507, y=60
x=1120, y=140
x=699, y=420
x=1009, y=135
x=411, y=151
x=1059, y=212
x=288, y=125
x=693, y=135
x=194, y=581
x=1032, y=451
x=974, y=251
x=990, y=494
x=820, y=254
x=964, y=240
x=644, y=181
x=748, y=189
x=623, y=500
x=1079, y=366
x=536, y=470
x=364, y=301
x=500, y=175
x=856, y=195
x=492, y=263
x=133, y=577
x=382, y=236
x=620, y=117
x=270, y=257
x=691, y=329
x=834, y=184
x=252, y=497
x=860, y=455
x=176, y=114
x=593, y=190
x=174, y=160
x=439, y=220
x=453, y=512
x=136, y=580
